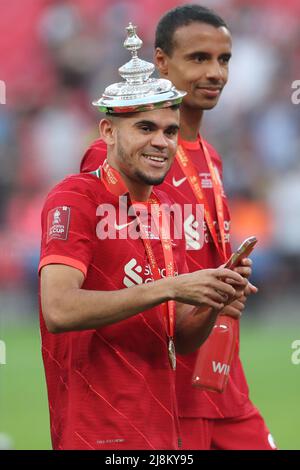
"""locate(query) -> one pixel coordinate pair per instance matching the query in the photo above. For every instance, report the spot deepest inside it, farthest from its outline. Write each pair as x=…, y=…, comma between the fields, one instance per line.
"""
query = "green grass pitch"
x=266, y=352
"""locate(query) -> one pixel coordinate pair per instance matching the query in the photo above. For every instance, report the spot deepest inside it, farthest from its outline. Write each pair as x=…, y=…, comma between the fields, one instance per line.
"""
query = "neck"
x=139, y=192
x=190, y=122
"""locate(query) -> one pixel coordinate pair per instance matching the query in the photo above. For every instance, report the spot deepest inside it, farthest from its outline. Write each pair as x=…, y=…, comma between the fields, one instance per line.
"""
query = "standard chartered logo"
x=2, y=353
x=132, y=271
x=136, y=274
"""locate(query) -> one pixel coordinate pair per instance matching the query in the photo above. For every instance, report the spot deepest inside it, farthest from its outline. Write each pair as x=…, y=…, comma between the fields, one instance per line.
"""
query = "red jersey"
x=113, y=387
x=201, y=253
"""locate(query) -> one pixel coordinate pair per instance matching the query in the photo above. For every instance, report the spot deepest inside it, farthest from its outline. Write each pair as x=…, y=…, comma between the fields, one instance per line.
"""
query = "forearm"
x=193, y=327
x=68, y=307
x=80, y=309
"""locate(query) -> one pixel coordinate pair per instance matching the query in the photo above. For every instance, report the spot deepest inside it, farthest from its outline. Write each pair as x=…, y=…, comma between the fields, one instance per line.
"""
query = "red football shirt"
x=201, y=253
x=110, y=388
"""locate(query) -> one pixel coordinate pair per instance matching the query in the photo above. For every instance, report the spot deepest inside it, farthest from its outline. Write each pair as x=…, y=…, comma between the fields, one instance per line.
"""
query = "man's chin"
x=158, y=181
x=204, y=105
x=209, y=105
x=154, y=181
x=151, y=180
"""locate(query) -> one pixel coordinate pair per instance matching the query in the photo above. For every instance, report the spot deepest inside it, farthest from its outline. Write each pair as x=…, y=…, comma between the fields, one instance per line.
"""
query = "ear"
x=106, y=129
x=161, y=61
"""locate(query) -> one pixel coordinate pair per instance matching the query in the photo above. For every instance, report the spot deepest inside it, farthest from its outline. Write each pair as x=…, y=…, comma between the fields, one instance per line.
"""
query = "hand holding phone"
x=243, y=251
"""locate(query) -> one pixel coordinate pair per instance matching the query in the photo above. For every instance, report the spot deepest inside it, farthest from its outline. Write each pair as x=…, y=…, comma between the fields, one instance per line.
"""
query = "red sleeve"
x=93, y=157
x=69, y=225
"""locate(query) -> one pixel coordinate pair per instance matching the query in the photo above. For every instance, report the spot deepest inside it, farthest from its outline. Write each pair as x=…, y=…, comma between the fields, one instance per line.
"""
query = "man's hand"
x=208, y=287
x=209, y=290
x=245, y=270
x=236, y=308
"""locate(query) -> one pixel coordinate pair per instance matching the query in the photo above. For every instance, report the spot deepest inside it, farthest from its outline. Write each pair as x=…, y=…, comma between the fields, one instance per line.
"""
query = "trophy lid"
x=138, y=92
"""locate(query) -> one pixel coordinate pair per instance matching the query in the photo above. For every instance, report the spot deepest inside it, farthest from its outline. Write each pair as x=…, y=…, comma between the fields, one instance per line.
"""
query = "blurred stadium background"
x=56, y=56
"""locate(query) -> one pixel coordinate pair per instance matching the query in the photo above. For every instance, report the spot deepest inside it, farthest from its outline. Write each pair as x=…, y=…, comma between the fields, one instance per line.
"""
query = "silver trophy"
x=138, y=92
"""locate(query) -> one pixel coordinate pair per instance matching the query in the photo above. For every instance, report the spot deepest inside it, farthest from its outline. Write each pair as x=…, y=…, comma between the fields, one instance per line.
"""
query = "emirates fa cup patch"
x=58, y=223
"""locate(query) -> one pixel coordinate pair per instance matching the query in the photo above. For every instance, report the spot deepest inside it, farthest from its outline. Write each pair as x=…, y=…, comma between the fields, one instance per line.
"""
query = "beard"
x=137, y=174
x=149, y=180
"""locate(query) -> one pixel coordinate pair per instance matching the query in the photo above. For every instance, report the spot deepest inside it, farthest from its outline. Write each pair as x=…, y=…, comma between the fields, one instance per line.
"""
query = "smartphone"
x=243, y=251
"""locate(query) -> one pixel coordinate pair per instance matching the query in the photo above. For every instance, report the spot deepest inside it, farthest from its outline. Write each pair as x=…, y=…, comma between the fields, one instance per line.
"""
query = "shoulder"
x=94, y=156
x=213, y=152
x=78, y=188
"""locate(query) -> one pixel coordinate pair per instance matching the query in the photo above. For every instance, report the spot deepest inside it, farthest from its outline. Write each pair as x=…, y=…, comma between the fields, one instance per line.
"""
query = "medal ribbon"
x=190, y=172
x=116, y=185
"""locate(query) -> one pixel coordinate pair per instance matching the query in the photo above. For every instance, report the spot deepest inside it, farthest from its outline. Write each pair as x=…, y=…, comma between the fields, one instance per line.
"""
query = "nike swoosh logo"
x=120, y=227
x=177, y=183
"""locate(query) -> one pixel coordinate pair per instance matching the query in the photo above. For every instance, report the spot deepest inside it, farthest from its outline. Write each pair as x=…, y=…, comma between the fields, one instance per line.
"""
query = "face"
x=142, y=146
x=198, y=63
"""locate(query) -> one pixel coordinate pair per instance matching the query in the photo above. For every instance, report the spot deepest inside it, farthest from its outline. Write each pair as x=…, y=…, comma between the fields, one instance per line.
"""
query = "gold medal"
x=172, y=353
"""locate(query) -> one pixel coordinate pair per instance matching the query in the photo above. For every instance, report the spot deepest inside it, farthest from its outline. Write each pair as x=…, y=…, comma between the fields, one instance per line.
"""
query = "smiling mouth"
x=210, y=87
x=210, y=92
x=155, y=158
